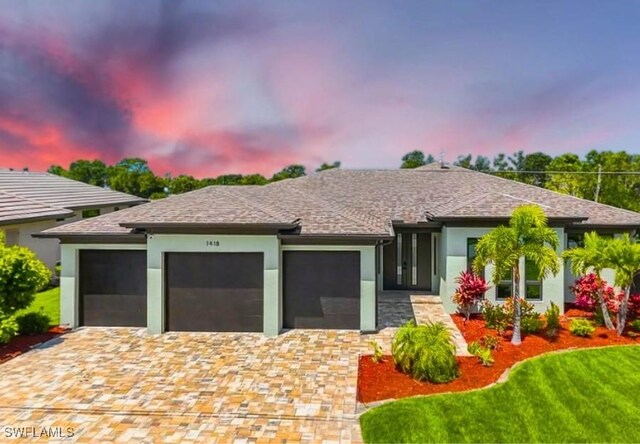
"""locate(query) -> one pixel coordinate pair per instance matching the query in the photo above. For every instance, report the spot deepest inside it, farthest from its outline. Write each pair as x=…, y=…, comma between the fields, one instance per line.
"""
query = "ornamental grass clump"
x=552, y=316
x=426, y=352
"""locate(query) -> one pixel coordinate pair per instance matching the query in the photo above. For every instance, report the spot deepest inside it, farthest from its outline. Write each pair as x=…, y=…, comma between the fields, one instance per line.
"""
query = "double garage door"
x=221, y=292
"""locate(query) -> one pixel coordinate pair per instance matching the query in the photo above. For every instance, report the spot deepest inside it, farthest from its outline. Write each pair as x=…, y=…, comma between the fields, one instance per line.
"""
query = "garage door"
x=113, y=288
x=321, y=289
x=214, y=292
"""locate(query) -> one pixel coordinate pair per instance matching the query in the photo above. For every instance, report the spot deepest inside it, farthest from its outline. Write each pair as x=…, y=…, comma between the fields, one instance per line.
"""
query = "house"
x=32, y=202
x=312, y=252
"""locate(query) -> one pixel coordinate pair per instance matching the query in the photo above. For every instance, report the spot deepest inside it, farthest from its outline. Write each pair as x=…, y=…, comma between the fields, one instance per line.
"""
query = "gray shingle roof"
x=60, y=192
x=357, y=202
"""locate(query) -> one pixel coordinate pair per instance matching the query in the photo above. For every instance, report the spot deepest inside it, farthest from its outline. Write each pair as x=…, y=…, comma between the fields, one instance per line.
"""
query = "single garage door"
x=214, y=292
x=321, y=289
x=113, y=288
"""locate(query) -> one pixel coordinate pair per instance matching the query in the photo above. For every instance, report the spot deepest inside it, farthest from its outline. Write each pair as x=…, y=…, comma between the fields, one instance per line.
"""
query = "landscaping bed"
x=382, y=381
x=22, y=344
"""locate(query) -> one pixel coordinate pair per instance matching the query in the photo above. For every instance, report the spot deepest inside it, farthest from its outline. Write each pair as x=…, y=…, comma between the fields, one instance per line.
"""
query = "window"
x=575, y=240
x=90, y=213
x=532, y=282
x=471, y=253
x=504, y=289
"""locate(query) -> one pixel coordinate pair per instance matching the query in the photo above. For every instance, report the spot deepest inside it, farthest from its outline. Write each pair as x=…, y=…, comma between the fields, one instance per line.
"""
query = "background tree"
x=134, y=176
x=183, y=184
x=592, y=257
x=58, y=171
x=528, y=236
x=536, y=162
x=289, y=172
x=327, y=166
x=93, y=172
x=416, y=159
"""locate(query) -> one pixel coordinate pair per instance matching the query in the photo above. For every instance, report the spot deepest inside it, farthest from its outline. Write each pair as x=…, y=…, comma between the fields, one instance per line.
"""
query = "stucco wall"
x=47, y=250
x=454, y=251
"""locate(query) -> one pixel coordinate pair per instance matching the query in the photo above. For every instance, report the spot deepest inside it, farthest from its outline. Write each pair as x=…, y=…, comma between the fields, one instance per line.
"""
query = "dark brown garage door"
x=214, y=291
x=113, y=288
x=322, y=289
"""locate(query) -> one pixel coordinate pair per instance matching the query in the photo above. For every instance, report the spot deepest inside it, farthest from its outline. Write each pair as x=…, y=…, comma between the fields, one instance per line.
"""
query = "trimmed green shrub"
x=495, y=316
x=635, y=326
x=581, y=327
x=33, y=323
x=491, y=342
x=8, y=328
x=552, y=315
x=426, y=352
x=481, y=352
x=531, y=323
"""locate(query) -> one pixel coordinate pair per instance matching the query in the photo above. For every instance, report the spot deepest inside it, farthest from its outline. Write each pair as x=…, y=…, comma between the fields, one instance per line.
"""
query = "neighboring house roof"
x=15, y=209
x=356, y=203
x=26, y=197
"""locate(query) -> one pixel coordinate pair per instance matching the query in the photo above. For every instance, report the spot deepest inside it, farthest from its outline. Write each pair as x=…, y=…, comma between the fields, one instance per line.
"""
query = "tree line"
x=566, y=173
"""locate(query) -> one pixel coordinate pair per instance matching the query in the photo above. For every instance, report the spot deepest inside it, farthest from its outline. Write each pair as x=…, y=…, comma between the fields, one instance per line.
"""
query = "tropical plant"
x=491, y=342
x=8, y=328
x=528, y=236
x=532, y=323
x=622, y=254
x=495, y=316
x=377, y=352
x=592, y=256
x=635, y=326
x=470, y=291
x=552, y=316
x=426, y=352
x=481, y=352
x=33, y=323
x=581, y=327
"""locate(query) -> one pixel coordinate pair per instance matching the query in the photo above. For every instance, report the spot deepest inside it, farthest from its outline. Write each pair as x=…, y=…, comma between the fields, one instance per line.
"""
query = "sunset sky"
x=209, y=87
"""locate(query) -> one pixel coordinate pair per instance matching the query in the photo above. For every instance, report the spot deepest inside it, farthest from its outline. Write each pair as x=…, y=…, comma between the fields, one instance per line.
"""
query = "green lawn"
x=49, y=301
x=581, y=396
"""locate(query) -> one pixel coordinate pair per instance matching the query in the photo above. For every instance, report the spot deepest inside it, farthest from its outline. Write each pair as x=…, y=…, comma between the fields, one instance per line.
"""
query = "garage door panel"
x=113, y=288
x=214, y=292
x=321, y=289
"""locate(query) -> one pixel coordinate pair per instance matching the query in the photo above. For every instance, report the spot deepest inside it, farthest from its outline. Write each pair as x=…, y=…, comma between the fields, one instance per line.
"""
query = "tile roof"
x=358, y=202
x=15, y=209
x=60, y=192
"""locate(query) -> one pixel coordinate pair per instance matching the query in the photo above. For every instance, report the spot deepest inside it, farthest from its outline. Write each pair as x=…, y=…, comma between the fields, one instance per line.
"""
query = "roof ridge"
x=261, y=208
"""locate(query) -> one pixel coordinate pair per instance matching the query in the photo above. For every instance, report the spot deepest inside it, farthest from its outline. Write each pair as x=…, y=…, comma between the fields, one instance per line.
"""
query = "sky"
x=216, y=87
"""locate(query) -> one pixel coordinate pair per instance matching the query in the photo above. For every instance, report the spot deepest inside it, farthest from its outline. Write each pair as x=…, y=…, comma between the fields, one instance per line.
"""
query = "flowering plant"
x=471, y=289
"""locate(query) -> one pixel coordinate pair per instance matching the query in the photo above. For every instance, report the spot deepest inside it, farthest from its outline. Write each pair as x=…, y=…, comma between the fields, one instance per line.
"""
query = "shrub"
x=531, y=323
x=481, y=352
x=581, y=327
x=426, y=352
x=635, y=326
x=33, y=323
x=552, y=316
x=8, y=328
x=495, y=316
x=377, y=352
x=491, y=342
x=470, y=291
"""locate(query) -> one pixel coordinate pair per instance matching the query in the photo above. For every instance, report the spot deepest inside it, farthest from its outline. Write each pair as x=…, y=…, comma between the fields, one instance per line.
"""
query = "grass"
x=49, y=301
x=580, y=396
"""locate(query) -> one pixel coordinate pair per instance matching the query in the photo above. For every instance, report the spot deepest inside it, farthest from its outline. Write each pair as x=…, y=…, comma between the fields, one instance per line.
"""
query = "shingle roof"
x=358, y=202
x=56, y=191
x=15, y=209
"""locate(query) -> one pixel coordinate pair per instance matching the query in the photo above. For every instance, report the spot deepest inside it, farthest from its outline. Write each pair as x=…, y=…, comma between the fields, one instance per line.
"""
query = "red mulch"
x=383, y=381
x=22, y=344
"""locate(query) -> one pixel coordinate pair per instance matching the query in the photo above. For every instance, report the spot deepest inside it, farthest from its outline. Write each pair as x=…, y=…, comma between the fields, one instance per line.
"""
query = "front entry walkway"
x=396, y=308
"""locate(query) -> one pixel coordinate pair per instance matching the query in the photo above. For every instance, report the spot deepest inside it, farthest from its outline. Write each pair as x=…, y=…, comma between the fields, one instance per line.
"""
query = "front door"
x=407, y=262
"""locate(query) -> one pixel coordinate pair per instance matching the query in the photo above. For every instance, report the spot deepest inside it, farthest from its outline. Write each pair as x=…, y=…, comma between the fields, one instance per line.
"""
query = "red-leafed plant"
x=470, y=291
x=587, y=290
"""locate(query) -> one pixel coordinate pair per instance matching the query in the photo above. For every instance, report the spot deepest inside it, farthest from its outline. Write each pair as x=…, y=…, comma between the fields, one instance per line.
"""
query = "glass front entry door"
x=407, y=262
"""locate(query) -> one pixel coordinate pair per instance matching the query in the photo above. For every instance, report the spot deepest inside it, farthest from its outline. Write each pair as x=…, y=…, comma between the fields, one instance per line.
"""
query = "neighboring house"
x=32, y=202
x=312, y=252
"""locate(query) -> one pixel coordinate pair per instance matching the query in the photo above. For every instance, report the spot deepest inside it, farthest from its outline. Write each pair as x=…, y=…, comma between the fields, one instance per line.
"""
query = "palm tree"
x=528, y=236
x=592, y=257
x=623, y=256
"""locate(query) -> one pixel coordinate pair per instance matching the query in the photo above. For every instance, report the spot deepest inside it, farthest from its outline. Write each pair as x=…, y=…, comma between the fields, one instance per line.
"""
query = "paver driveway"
x=122, y=384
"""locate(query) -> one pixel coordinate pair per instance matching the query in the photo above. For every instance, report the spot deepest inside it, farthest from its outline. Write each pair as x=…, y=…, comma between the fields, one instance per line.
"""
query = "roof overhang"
x=488, y=221
x=23, y=220
x=333, y=239
x=94, y=238
x=96, y=206
x=210, y=228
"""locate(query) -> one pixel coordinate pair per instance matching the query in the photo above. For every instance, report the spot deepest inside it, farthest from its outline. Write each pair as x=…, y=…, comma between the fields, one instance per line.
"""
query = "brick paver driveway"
x=122, y=384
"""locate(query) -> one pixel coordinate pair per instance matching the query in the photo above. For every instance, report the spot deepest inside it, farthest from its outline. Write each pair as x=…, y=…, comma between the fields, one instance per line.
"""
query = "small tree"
x=623, y=256
x=592, y=257
x=528, y=236
x=470, y=291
